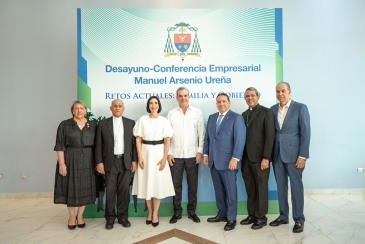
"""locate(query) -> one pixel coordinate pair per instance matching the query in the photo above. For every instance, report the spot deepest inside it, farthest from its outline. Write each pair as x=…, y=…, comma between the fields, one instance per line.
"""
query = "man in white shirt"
x=291, y=149
x=185, y=152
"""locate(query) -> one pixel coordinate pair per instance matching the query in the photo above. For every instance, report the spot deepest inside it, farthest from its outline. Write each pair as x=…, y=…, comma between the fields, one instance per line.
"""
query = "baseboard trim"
x=27, y=195
x=338, y=191
x=341, y=191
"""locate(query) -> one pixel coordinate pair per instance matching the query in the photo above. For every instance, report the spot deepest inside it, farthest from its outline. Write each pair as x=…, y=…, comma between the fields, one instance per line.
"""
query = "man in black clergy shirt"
x=260, y=136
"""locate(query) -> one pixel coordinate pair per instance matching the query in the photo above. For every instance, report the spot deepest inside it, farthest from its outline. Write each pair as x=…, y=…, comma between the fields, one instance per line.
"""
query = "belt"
x=118, y=155
x=152, y=142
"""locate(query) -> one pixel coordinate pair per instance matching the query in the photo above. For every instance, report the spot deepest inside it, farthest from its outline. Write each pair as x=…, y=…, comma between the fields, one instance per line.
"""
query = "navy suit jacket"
x=292, y=140
x=227, y=143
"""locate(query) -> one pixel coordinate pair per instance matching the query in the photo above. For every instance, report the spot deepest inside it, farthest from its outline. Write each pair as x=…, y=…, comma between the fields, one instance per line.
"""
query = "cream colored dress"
x=150, y=182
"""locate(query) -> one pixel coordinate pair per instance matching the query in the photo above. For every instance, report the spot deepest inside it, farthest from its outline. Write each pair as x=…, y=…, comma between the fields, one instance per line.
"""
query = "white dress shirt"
x=189, y=132
x=281, y=116
x=118, y=131
x=224, y=115
x=282, y=113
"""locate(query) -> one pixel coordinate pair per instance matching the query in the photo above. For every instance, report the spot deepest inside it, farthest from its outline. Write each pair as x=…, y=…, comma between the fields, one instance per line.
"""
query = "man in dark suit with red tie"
x=259, y=121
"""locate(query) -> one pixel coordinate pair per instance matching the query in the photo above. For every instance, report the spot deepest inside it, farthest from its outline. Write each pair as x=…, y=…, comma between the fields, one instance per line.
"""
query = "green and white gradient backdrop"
x=137, y=37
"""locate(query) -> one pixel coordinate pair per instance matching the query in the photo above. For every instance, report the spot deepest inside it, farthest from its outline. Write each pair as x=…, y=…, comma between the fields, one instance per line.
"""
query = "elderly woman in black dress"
x=75, y=175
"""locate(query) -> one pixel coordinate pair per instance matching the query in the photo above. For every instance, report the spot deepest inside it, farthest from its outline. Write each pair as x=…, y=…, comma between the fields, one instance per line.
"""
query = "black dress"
x=77, y=188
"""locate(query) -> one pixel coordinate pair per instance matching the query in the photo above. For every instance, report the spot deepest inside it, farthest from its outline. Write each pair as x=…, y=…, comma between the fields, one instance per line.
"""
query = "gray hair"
x=78, y=102
x=253, y=89
x=287, y=85
x=117, y=100
x=180, y=89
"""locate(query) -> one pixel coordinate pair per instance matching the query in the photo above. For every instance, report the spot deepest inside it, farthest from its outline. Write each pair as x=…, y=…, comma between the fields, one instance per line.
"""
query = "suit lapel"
x=275, y=111
x=244, y=115
x=214, y=117
x=288, y=114
x=224, y=121
x=254, y=114
x=124, y=130
x=109, y=124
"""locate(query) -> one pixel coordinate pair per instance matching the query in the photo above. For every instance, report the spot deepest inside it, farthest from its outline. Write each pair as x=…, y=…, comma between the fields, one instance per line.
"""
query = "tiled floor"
x=329, y=219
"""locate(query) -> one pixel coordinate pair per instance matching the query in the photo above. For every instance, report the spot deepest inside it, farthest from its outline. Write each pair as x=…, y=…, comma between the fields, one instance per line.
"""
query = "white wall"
x=324, y=61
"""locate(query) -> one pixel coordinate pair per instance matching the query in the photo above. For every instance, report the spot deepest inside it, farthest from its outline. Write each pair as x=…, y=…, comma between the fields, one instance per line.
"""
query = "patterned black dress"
x=77, y=188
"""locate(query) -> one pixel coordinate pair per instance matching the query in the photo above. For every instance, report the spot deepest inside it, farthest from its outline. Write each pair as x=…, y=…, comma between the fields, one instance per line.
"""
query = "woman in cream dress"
x=152, y=179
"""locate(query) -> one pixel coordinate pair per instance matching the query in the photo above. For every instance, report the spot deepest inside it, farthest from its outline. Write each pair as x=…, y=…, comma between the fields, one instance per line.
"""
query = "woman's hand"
x=162, y=164
x=140, y=162
x=62, y=170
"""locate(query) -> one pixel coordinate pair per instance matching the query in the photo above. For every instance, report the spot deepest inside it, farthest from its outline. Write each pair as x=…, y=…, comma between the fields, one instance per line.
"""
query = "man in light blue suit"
x=291, y=149
x=223, y=148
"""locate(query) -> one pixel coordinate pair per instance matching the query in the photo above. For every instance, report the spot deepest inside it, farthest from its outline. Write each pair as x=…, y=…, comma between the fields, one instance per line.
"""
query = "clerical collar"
x=253, y=107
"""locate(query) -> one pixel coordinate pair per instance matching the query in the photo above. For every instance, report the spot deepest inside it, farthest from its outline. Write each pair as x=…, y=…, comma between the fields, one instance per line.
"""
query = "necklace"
x=248, y=121
x=116, y=134
x=80, y=124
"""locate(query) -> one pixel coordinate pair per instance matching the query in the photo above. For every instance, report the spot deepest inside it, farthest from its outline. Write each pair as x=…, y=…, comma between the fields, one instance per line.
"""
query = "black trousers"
x=117, y=190
x=257, y=189
x=177, y=170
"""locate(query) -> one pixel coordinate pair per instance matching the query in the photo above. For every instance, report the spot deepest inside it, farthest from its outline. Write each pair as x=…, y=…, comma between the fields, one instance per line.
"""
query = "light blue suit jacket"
x=227, y=143
x=292, y=140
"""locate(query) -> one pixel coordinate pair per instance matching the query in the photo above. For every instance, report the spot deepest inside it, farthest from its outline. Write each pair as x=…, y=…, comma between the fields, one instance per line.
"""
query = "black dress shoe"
x=258, y=225
x=71, y=227
x=230, y=225
x=154, y=224
x=175, y=218
x=125, y=223
x=109, y=225
x=194, y=217
x=80, y=225
x=148, y=222
x=278, y=222
x=298, y=227
x=217, y=219
x=247, y=221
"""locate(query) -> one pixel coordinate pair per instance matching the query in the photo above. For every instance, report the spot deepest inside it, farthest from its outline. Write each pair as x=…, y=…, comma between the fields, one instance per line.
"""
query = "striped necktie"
x=218, y=122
